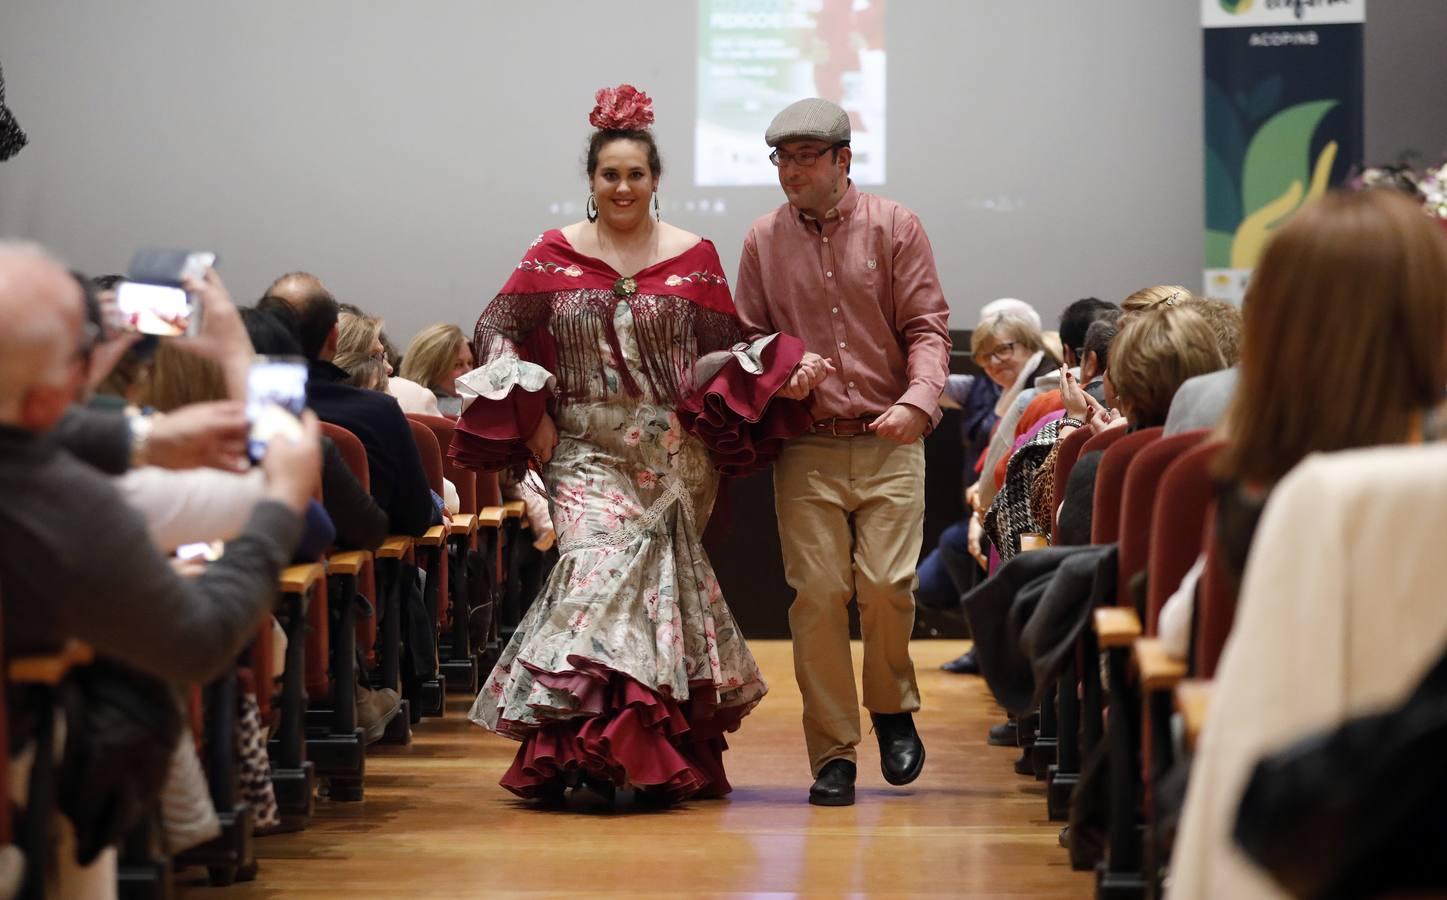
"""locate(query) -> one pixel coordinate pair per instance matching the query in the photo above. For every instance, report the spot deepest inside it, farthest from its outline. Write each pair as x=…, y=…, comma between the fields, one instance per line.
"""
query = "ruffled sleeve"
x=734, y=410
x=502, y=403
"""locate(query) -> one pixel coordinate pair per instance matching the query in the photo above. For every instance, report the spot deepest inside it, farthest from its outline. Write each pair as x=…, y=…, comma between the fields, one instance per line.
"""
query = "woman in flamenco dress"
x=611, y=362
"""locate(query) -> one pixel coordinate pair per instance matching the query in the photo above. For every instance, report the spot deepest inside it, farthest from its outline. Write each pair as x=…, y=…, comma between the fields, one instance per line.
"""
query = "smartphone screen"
x=155, y=309
x=275, y=398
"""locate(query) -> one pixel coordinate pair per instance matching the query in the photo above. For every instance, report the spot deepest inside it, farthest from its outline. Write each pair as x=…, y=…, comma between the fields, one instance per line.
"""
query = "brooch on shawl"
x=625, y=287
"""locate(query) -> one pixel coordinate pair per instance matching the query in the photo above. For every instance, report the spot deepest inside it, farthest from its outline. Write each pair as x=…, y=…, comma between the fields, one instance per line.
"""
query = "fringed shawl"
x=557, y=310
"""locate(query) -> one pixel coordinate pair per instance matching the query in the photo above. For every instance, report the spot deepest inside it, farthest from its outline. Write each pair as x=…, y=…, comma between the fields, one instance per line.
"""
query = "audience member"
x=399, y=482
x=1336, y=251
x=435, y=359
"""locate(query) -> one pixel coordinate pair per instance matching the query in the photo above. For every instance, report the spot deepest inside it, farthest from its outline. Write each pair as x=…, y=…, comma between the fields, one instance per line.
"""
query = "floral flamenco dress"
x=628, y=666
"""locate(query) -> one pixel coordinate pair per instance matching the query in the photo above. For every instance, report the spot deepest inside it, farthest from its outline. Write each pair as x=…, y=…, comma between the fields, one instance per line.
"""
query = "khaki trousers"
x=851, y=522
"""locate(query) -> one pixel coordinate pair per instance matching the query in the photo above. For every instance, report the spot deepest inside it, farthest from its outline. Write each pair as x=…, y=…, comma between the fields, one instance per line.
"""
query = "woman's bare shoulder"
x=673, y=240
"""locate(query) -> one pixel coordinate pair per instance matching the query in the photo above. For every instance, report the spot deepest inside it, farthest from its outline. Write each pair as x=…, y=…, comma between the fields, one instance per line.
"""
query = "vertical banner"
x=755, y=57
x=1283, y=120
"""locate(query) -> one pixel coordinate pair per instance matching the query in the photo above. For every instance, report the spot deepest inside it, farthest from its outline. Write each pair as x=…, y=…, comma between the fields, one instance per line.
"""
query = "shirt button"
x=826, y=240
x=835, y=310
x=851, y=384
x=841, y=345
x=828, y=274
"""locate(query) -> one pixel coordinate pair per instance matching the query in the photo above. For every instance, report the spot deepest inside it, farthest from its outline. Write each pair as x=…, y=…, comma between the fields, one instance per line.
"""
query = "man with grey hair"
x=120, y=596
x=851, y=274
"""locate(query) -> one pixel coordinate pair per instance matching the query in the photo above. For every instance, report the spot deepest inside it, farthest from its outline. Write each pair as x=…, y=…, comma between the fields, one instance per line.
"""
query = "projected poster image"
x=757, y=56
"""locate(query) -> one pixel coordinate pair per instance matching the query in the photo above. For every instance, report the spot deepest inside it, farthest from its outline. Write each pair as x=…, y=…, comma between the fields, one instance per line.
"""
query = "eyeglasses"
x=999, y=354
x=803, y=159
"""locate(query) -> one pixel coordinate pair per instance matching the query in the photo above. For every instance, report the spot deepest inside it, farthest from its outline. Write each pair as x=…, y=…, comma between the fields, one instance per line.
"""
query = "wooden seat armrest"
x=491, y=517
x=348, y=562
x=1117, y=626
x=1193, y=702
x=394, y=547
x=1159, y=670
x=464, y=523
x=514, y=509
x=50, y=668
x=299, y=579
x=435, y=536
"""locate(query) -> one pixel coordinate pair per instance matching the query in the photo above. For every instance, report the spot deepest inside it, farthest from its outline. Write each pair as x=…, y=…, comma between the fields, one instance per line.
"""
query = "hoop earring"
x=592, y=208
x=657, y=216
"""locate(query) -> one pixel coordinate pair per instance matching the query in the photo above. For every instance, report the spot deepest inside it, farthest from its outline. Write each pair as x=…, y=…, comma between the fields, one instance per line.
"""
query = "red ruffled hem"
x=736, y=415
x=491, y=434
x=626, y=733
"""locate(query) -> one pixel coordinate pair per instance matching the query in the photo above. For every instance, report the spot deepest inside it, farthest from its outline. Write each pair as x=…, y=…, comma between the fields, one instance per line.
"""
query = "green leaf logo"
x=1236, y=7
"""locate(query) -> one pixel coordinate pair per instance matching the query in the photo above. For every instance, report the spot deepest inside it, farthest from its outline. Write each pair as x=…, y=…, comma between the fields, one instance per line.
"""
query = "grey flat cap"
x=812, y=119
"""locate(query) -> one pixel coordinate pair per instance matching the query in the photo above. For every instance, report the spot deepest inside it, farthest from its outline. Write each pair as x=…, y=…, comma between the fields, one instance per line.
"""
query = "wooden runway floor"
x=435, y=823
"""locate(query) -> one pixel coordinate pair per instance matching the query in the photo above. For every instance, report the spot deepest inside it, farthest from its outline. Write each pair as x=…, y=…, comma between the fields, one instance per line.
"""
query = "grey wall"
x=408, y=152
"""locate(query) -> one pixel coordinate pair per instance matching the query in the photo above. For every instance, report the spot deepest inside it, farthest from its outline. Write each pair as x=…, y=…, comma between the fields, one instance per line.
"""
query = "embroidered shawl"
x=557, y=310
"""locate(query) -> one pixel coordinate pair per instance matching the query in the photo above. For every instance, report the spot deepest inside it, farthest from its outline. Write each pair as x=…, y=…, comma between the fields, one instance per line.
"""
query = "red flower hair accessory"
x=624, y=108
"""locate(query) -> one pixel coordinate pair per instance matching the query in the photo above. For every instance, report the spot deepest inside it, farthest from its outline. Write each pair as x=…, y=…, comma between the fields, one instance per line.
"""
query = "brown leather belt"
x=841, y=427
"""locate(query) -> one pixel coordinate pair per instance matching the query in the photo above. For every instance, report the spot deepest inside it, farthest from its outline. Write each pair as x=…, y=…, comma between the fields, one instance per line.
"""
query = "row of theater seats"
x=1119, y=694
x=474, y=592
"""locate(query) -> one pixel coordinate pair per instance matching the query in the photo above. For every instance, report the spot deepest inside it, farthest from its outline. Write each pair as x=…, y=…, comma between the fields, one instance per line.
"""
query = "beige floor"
x=436, y=824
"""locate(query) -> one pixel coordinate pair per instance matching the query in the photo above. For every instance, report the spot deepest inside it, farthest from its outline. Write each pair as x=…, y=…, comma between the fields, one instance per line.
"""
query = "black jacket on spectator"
x=399, y=483
x=77, y=562
x=1027, y=616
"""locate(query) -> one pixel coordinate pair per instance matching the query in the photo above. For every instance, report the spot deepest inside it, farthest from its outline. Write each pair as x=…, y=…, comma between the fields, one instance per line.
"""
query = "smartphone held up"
x=275, y=398
x=152, y=300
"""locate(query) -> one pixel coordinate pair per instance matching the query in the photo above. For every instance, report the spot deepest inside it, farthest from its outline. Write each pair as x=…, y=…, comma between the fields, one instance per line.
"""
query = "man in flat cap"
x=851, y=274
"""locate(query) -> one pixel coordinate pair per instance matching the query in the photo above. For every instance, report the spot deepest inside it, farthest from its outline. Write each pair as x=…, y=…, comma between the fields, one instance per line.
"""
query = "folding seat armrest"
x=435, y=536
x=394, y=547
x=464, y=524
x=514, y=509
x=49, y=668
x=1116, y=626
x=300, y=579
x=1159, y=671
x=348, y=562
x=1193, y=702
x=491, y=517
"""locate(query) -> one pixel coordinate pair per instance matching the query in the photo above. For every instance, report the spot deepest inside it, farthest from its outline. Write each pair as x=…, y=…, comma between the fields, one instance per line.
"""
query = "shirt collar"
x=841, y=211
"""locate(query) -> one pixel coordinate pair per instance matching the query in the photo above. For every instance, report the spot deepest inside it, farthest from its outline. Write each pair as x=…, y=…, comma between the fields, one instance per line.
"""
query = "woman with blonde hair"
x=360, y=337
x=435, y=359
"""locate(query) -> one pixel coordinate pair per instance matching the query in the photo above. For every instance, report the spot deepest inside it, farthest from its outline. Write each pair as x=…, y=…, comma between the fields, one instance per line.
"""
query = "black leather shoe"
x=835, y=784
x=901, y=752
x=964, y=664
x=1004, y=735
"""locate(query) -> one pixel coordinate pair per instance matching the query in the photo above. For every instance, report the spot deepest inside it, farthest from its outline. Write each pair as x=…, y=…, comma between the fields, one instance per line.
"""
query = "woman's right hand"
x=544, y=439
x=1077, y=402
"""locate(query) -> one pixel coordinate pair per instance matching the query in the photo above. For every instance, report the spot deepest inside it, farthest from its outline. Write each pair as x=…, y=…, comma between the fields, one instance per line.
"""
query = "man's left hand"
x=901, y=423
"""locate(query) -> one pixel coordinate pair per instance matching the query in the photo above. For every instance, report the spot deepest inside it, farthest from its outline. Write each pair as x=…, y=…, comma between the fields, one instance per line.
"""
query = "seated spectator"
x=360, y=523
x=1340, y=611
x=1158, y=348
x=360, y=337
x=366, y=372
x=121, y=596
x=954, y=554
x=399, y=483
x=435, y=359
x=1387, y=356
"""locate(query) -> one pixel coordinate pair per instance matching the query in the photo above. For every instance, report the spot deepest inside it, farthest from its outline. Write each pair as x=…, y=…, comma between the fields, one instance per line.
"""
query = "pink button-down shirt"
x=858, y=287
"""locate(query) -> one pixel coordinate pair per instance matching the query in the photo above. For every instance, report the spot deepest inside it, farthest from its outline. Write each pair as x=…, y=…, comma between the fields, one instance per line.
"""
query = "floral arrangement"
x=624, y=108
x=1428, y=184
